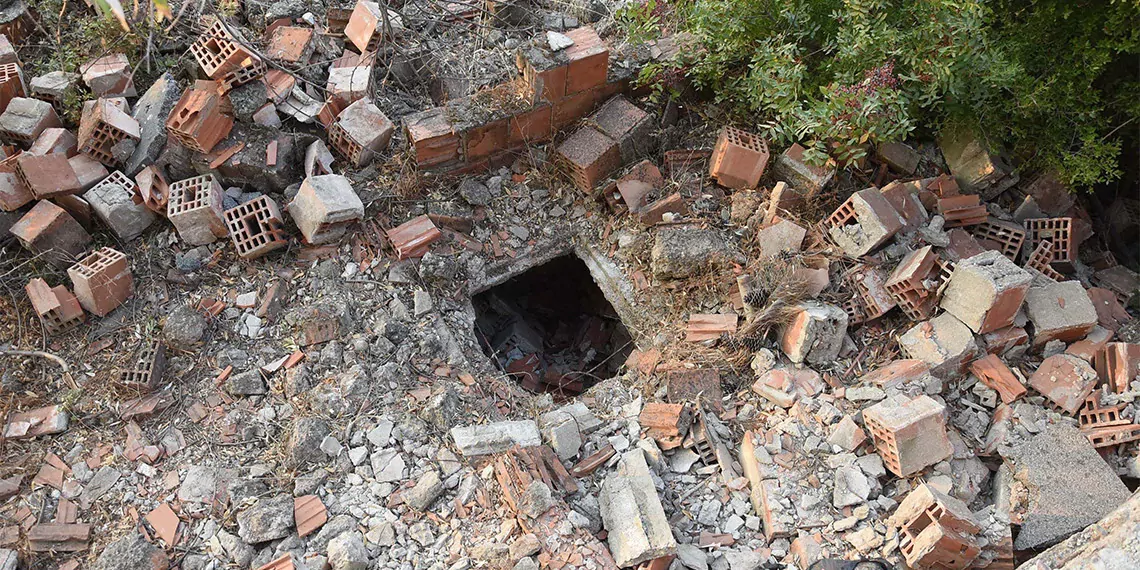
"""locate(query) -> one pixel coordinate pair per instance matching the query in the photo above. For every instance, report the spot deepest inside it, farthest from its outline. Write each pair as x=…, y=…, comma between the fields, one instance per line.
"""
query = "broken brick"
x=1059, y=231
x=58, y=537
x=55, y=141
x=24, y=120
x=57, y=308
x=809, y=179
x=290, y=44
x=902, y=196
x=13, y=194
x=112, y=200
x=87, y=170
x=256, y=227
x=908, y=283
x=347, y=85
x=360, y=132
x=49, y=230
x=936, y=530
x=414, y=237
x=896, y=373
x=165, y=523
x=710, y=327
x=109, y=76
x=667, y=424
x=309, y=513
x=366, y=26
x=153, y=190
x=909, y=434
x=1064, y=380
x=738, y=159
x=47, y=176
x=1041, y=260
x=218, y=53
x=994, y=373
x=195, y=208
x=944, y=342
x=1059, y=311
x=1000, y=235
x=870, y=298
x=962, y=210
x=35, y=423
x=814, y=333
x=105, y=127
x=432, y=138
x=1118, y=365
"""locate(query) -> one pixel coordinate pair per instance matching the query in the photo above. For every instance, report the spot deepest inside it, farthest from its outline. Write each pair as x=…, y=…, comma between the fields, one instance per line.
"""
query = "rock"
x=682, y=460
x=184, y=328
x=744, y=560
x=1069, y=485
x=526, y=564
x=151, y=111
x=247, y=99
x=426, y=491
x=379, y=435
x=132, y=552
x=692, y=557
x=558, y=41
x=305, y=442
x=847, y=434
x=103, y=480
x=851, y=487
x=536, y=500
x=347, y=552
x=421, y=533
x=239, y=552
x=442, y=409
x=335, y=527
x=632, y=513
x=388, y=466
x=496, y=437
x=268, y=519
x=524, y=546
x=475, y=192
x=679, y=253
x=248, y=383
x=204, y=484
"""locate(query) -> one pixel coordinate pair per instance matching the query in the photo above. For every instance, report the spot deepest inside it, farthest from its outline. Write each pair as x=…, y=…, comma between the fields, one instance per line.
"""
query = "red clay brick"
x=365, y=27
x=290, y=44
x=217, y=53
x=1118, y=365
x=432, y=138
x=360, y=132
x=105, y=126
x=201, y=118
x=55, y=141
x=146, y=373
x=413, y=237
x=994, y=373
x=154, y=191
x=533, y=126
x=256, y=227
x=1064, y=380
x=48, y=229
x=589, y=61
x=47, y=176
x=195, y=209
x=587, y=157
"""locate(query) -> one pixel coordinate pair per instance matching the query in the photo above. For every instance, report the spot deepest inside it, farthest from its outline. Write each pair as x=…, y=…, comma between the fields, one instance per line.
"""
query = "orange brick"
x=994, y=373
x=589, y=61
x=102, y=281
x=738, y=159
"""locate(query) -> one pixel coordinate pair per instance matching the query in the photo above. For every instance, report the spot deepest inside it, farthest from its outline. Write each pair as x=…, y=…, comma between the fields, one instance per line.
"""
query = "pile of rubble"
x=916, y=357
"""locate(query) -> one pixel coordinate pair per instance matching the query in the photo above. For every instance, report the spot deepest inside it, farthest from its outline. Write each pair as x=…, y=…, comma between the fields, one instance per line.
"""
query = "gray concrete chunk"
x=632, y=513
x=495, y=438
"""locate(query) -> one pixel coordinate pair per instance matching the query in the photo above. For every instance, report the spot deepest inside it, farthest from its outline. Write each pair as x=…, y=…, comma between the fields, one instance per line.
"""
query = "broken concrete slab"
x=945, y=343
x=496, y=437
x=268, y=519
x=1064, y=485
x=151, y=111
x=632, y=513
x=679, y=253
x=1059, y=311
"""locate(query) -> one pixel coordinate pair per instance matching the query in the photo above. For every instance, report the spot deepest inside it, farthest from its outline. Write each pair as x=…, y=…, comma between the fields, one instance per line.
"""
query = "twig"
x=61, y=362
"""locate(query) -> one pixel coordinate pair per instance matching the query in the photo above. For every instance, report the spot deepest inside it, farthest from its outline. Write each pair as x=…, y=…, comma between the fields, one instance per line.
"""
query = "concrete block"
x=815, y=334
x=679, y=253
x=780, y=236
x=808, y=179
x=944, y=342
x=986, y=291
x=864, y=222
x=627, y=124
x=900, y=157
x=1059, y=311
x=632, y=514
x=972, y=164
x=495, y=437
x=113, y=201
x=324, y=206
x=561, y=432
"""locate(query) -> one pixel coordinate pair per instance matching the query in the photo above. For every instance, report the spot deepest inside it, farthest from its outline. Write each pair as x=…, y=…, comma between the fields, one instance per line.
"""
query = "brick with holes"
x=360, y=132
x=986, y=291
x=47, y=176
x=962, y=210
x=1065, y=381
x=1000, y=235
x=256, y=227
x=627, y=124
x=738, y=159
x=195, y=209
x=1041, y=260
x=109, y=76
x=105, y=127
x=146, y=372
x=201, y=118
x=814, y=334
x=25, y=119
x=944, y=343
x=57, y=308
x=588, y=156
x=870, y=298
x=112, y=199
x=909, y=434
x=11, y=83
x=366, y=26
x=1059, y=231
x=1059, y=311
x=251, y=69
x=102, y=280
x=863, y=222
x=913, y=283
x=936, y=530
x=324, y=208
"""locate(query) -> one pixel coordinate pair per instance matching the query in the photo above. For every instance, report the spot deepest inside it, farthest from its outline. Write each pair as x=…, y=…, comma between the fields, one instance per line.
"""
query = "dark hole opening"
x=552, y=328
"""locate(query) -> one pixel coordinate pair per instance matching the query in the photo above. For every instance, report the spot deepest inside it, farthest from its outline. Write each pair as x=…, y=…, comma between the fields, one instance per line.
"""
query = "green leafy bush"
x=835, y=74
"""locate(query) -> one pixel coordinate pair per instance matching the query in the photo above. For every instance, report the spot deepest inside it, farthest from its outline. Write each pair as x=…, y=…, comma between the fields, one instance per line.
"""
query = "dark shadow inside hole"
x=552, y=328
